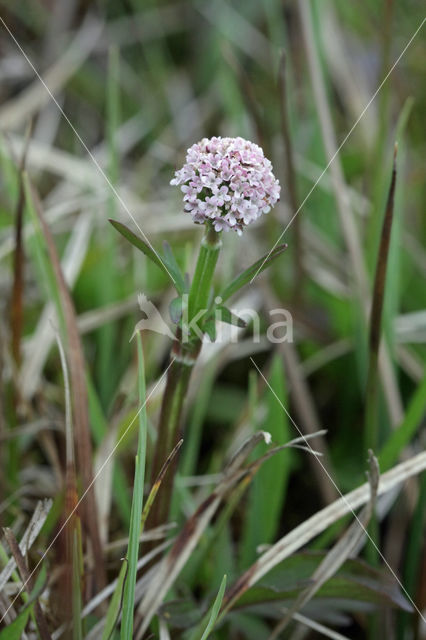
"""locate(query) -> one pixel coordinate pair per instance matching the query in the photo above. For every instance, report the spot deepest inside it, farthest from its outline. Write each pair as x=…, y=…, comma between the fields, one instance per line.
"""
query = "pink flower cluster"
x=227, y=181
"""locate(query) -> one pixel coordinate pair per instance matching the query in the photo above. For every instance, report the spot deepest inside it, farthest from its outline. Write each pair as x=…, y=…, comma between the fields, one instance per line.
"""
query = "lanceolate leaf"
x=172, y=265
x=175, y=309
x=355, y=581
x=15, y=629
x=147, y=250
x=252, y=271
x=226, y=315
x=210, y=329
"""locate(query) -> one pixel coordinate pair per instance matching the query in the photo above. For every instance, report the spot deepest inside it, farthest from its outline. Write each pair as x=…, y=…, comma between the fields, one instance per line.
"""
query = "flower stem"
x=206, y=263
x=183, y=359
x=184, y=355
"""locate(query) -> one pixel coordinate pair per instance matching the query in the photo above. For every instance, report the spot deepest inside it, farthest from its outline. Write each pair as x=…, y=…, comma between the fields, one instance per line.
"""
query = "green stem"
x=203, y=276
x=184, y=355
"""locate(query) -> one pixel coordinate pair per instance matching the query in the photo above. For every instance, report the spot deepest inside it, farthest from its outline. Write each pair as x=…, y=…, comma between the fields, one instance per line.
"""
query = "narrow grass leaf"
x=210, y=619
x=136, y=511
x=157, y=484
x=264, y=515
x=114, y=607
x=400, y=438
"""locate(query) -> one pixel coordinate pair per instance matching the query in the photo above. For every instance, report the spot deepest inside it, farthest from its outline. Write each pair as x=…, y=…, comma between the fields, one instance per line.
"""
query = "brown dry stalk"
x=371, y=427
x=291, y=179
x=16, y=306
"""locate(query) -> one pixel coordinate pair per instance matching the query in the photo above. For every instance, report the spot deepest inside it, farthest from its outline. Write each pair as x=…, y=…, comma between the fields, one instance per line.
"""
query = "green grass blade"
x=264, y=515
x=77, y=628
x=406, y=431
x=41, y=256
x=15, y=630
x=210, y=618
x=136, y=513
x=107, y=336
x=115, y=604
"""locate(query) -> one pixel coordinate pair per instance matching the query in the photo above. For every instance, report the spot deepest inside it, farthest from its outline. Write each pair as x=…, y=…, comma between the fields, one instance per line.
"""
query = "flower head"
x=227, y=181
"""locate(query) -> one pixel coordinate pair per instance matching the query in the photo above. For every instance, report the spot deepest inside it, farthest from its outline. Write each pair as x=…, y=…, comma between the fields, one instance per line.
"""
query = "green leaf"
x=264, y=516
x=41, y=256
x=212, y=617
x=137, y=504
x=115, y=604
x=172, y=265
x=77, y=630
x=407, y=429
x=15, y=629
x=226, y=315
x=140, y=244
x=355, y=581
x=210, y=328
x=175, y=309
x=252, y=271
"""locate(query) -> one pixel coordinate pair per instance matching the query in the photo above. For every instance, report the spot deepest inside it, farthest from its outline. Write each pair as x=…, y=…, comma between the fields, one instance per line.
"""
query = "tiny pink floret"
x=227, y=181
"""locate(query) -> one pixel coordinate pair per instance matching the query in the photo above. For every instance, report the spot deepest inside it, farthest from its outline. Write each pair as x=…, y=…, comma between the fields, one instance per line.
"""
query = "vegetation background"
x=326, y=88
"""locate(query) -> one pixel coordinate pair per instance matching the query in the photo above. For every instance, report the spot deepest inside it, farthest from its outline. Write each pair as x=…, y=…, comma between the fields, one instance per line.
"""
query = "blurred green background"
x=139, y=82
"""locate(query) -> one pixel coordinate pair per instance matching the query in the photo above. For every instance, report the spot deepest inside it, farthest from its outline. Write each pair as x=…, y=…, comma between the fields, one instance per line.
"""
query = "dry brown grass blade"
x=381, y=267
x=36, y=523
x=16, y=307
x=316, y=626
x=79, y=399
x=156, y=485
x=188, y=538
x=291, y=178
x=28, y=581
x=376, y=313
x=317, y=523
x=71, y=496
x=339, y=552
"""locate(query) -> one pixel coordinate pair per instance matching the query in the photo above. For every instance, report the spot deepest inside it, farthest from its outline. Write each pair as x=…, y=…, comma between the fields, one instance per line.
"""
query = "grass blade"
x=136, y=512
x=28, y=582
x=407, y=429
x=114, y=608
x=210, y=618
x=371, y=409
x=264, y=516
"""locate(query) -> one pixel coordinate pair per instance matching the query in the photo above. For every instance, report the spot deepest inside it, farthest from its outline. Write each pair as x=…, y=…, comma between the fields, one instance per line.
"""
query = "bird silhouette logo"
x=153, y=320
